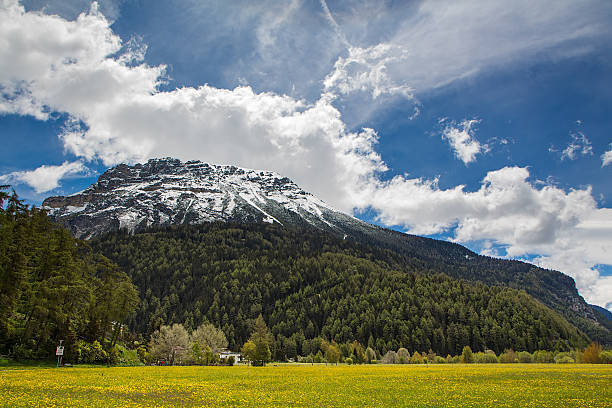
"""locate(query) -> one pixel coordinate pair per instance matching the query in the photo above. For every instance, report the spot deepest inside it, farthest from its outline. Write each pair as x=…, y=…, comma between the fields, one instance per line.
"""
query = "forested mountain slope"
x=553, y=288
x=166, y=192
x=307, y=283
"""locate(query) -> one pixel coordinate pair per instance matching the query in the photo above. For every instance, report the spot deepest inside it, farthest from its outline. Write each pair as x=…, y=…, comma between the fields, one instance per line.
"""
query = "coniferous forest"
x=54, y=287
x=311, y=286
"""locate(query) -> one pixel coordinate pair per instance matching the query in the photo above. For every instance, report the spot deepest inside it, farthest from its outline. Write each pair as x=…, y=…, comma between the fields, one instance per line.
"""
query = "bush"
x=370, y=355
x=439, y=360
x=231, y=361
x=508, y=356
x=467, y=356
x=452, y=359
x=525, y=357
x=403, y=356
x=591, y=354
x=348, y=361
x=389, y=358
x=307, y=359
x=416, y=358
x=543, y=356
x=485, y=358
x=318, y=358
x=564, y=358
x=606, y=356
x=91, y=353
x=127, y=358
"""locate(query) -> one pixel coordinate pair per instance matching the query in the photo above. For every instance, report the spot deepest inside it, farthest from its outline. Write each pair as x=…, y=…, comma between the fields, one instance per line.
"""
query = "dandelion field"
x=474, y=385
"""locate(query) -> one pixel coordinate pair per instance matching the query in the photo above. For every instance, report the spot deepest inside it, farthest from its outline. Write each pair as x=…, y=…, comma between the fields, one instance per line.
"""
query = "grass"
x=495, y=385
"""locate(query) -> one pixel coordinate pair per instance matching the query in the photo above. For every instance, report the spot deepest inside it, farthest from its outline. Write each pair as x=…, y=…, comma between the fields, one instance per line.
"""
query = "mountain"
x=309, y=284
x=168, y=192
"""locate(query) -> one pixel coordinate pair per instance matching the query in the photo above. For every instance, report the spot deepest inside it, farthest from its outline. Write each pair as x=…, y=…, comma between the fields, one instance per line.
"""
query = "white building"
x=225, y=354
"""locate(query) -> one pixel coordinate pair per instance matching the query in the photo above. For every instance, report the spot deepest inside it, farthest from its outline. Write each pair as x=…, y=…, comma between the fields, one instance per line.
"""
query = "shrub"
x=467, y=356
x=525, y=357
x=389, y=358
x=485, y=358
x=508, y=356
x=416, y=358
x=606, y=356
x=90, y=353
x=318, y=358
x=591, y=354
x=543, y=356
x=564, y=358
x=307, y=359
x=403, y=356
x=439, y=360
x=348, y=361
x=231, y=360
x=127, y=357
x=370, y=355
x=452, y=359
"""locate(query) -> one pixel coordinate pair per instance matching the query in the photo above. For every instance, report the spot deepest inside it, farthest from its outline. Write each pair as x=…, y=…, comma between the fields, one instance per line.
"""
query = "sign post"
x=59, y=352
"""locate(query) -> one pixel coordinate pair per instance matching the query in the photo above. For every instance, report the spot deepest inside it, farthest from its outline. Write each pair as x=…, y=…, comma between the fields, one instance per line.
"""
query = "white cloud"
x=45, y=178
x=454, y=40
x=606, y=158
x=48, y=64
x=78, y=69
x=461, y=139
x=579, y=146
x=365, y=69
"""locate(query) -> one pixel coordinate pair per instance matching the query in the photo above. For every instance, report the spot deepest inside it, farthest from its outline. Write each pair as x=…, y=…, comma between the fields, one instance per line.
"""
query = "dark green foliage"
x=309, y=285
x=553, y=288
x=53, y=287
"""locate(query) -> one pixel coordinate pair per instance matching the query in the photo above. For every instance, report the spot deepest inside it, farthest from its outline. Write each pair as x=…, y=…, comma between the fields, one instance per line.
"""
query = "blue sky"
x=486, y=123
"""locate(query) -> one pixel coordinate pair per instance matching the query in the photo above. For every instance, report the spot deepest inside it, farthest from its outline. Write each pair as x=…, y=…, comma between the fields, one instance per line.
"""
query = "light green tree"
x=262, y=338
x=467, y=357
x=332, y=354
x=207, y=334
x=169, y=342
x=249, y=351
x=403, y=356
x=370, y=355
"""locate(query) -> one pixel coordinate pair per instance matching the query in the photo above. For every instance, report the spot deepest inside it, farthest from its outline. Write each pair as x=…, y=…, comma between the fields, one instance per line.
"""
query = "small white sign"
x=59, y=351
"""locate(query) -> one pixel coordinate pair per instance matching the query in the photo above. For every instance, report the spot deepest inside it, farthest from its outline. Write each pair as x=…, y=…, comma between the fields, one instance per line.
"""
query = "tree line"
x=54, y=287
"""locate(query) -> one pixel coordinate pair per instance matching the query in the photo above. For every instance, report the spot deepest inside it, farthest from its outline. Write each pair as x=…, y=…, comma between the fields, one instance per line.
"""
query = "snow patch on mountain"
x=168, y=191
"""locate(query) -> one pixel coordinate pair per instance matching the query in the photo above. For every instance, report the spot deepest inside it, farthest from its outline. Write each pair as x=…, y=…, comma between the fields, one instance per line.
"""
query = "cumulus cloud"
x=606, y=158
x=462, y=141
x=579, y=146
x=45, y=178
x=118, y=113
x=507, y=208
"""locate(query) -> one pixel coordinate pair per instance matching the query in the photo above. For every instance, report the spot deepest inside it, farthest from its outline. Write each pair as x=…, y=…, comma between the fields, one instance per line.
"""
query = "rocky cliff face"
x=170, y=192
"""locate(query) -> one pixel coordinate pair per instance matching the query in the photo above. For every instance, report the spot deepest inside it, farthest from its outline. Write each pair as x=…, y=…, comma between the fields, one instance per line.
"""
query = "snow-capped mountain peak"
x=168, y=191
